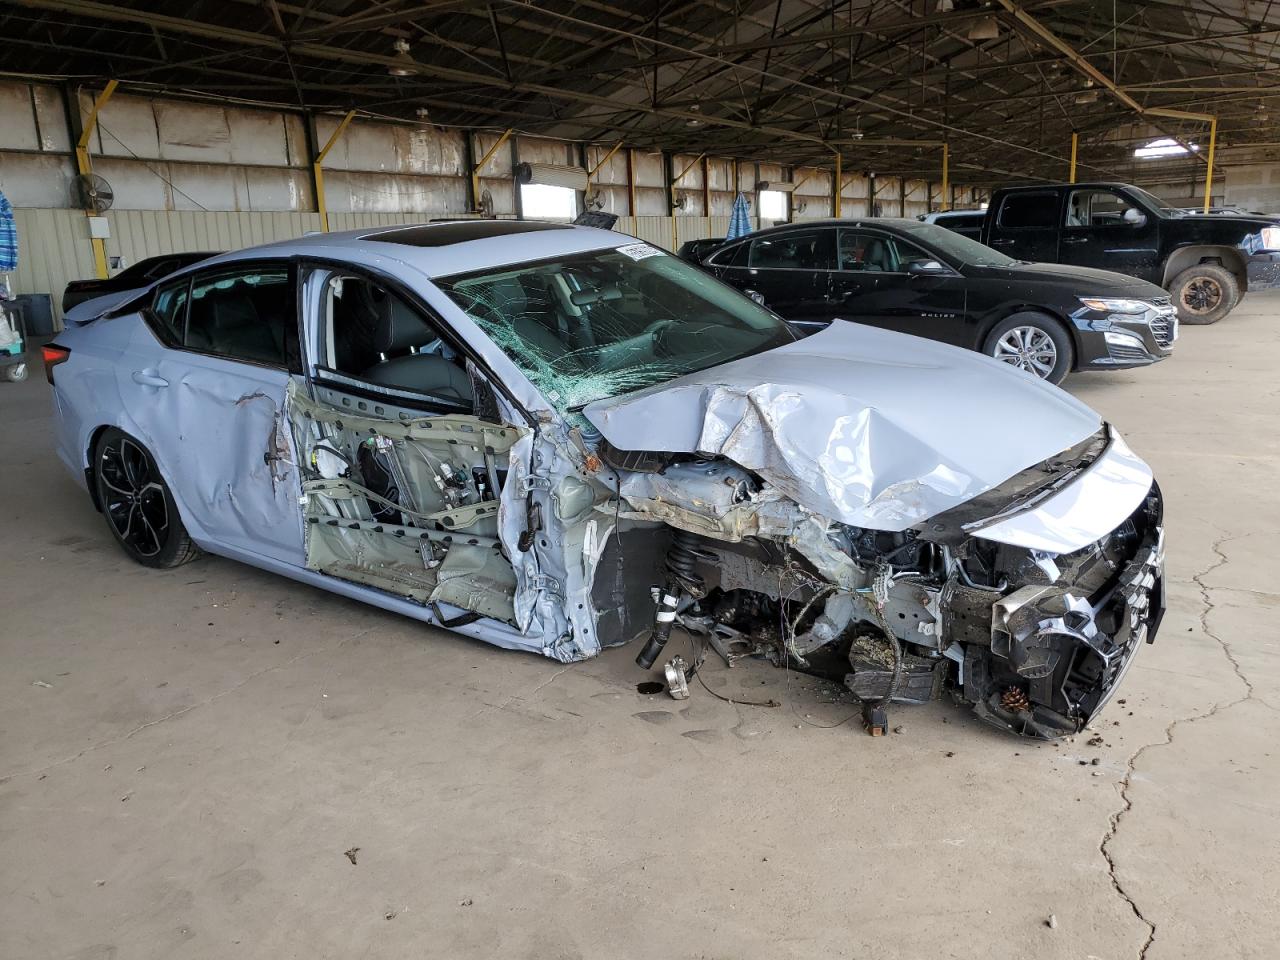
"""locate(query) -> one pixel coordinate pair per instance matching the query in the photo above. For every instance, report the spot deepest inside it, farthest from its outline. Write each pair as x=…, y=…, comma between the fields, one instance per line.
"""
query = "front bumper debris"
x=1057, y=657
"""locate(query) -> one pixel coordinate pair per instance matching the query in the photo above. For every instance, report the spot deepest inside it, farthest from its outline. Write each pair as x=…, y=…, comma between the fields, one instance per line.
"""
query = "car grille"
x=1162, y=328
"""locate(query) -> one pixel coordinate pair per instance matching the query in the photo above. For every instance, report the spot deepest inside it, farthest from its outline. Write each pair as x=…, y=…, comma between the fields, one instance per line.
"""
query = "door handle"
x=148, y=379
x=1075, y=239
x=1001, y=243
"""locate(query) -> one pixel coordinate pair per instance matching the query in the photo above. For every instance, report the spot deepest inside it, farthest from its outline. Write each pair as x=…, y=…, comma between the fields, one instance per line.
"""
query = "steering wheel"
x=657, y=334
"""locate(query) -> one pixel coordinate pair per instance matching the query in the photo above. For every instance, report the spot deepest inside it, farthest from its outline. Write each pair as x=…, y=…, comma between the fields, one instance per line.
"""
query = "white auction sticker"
x=639, y=251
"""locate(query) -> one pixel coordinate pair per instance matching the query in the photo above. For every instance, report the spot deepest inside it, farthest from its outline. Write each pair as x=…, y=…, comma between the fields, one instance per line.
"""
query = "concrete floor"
x=185, y=756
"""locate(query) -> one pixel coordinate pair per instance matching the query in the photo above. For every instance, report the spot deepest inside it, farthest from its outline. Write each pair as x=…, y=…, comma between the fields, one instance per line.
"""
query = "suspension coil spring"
x=682, y=579
x=682, y=562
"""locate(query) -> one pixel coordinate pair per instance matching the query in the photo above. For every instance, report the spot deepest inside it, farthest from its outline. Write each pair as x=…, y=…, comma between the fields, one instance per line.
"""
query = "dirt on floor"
x=217, y=762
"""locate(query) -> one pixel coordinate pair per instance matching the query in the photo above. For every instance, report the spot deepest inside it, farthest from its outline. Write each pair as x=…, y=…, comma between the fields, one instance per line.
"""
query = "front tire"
x=1033, y=342
x=137, y=503
x=1204, y=293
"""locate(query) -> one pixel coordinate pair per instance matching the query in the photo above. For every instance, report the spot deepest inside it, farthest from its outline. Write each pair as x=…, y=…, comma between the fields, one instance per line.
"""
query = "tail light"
x=53, y=355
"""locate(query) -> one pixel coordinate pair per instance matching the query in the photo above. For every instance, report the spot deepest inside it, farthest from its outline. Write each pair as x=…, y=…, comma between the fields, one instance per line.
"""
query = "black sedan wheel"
x=1204, y=293
x=1032, y=342
x=138, y=506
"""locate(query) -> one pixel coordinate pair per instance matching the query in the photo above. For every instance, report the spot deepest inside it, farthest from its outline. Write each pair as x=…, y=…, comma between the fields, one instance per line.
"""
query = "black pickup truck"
x=1205, y=262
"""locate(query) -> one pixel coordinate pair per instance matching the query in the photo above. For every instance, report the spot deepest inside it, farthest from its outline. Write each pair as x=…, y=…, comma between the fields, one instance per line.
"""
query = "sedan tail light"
x=53, y=355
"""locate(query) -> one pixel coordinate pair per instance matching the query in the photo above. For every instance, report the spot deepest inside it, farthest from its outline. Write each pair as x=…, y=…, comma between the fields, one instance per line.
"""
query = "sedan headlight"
x=1270, y=238
x=1110, y=305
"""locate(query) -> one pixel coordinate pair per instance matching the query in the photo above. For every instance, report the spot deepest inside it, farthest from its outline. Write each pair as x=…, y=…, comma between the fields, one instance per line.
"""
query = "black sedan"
x=141, y=274
x=923, y=279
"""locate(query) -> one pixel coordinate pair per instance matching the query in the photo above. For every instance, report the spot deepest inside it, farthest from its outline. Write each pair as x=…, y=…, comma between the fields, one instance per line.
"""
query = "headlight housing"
x=1116, y=305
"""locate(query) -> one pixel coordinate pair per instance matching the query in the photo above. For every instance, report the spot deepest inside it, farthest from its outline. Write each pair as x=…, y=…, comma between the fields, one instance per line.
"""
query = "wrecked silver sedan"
x=557, y=439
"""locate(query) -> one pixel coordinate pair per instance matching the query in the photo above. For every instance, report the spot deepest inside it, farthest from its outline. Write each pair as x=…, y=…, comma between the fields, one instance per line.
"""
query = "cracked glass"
x=599, y=324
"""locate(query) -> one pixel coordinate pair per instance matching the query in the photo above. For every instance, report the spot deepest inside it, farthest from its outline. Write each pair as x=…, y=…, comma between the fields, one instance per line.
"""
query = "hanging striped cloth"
x=739, y=219
x=8, y=237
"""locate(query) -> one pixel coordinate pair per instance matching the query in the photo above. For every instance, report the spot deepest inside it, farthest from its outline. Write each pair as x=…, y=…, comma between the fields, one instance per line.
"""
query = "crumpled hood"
x=865, y=426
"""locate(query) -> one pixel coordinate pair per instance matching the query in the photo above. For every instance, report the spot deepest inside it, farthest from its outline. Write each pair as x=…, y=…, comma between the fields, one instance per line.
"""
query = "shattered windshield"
x=594, y=325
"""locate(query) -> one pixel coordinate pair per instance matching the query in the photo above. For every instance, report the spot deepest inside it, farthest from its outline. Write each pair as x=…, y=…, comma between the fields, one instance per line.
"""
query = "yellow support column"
x=475, y=174
x=1208, y=174
x=946, y=176
x=84, y=167
x=317, y=169
x=1075, y=142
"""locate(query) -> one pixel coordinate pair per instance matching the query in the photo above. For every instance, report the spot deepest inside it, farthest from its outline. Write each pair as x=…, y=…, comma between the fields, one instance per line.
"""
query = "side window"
x=736, y=257
x=375, y=335
x=168, y=312
x=1021, y=211
x=866, y=253
x=905, y=253
x=801, y=250
x=1096, y=208
x=245, y=314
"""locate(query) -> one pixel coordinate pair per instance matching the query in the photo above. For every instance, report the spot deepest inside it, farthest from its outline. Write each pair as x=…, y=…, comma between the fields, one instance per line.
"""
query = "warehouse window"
x=1164, y=147
x=541, y=201
x=773, y=205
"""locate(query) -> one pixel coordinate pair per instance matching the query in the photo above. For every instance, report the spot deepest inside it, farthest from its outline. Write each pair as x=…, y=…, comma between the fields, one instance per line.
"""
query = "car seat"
x=398, y=328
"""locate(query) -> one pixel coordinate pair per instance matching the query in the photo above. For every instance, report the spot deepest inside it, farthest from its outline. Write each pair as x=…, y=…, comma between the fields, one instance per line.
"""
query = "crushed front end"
x=998, y=603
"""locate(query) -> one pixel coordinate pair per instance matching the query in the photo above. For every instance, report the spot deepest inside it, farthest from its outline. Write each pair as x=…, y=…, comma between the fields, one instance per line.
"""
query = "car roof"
x=1089, y=184
x=888, y=223
x=445, y=248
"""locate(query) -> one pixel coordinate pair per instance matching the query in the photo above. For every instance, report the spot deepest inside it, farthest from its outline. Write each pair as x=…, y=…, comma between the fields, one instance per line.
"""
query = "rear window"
x=1027, y=210
x=802, y=250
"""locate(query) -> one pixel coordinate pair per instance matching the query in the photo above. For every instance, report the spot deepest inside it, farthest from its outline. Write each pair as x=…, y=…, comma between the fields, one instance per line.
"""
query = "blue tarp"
x=739, y=220
x=8, y=236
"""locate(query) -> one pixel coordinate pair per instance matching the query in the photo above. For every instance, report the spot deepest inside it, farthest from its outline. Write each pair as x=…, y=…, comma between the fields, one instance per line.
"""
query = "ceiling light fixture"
x=402, y=64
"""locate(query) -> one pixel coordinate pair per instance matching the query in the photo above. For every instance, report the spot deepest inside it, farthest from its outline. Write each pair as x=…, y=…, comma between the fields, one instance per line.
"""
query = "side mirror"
x=1134, y=217
x=926, y=268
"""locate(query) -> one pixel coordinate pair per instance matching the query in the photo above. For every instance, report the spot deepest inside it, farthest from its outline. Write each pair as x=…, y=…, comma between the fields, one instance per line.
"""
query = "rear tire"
x=1034, y=342
x=1204, y=293
x=137, y=504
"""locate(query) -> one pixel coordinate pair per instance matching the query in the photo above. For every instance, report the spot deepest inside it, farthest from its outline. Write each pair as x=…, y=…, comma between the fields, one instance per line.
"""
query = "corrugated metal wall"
x=191, y=176
x=54, y=245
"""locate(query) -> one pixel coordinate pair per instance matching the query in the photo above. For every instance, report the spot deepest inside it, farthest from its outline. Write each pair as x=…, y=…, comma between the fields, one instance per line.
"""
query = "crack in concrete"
x=1208, y=608
x=1130, y=767
x=532, y=693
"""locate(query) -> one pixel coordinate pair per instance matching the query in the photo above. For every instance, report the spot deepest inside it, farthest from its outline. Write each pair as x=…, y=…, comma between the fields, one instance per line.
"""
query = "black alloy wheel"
x=137, y=504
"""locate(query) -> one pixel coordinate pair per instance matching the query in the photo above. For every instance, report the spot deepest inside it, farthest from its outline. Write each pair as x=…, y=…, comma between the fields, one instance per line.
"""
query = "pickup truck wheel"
x=1033, y=342
x=1204, y=293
